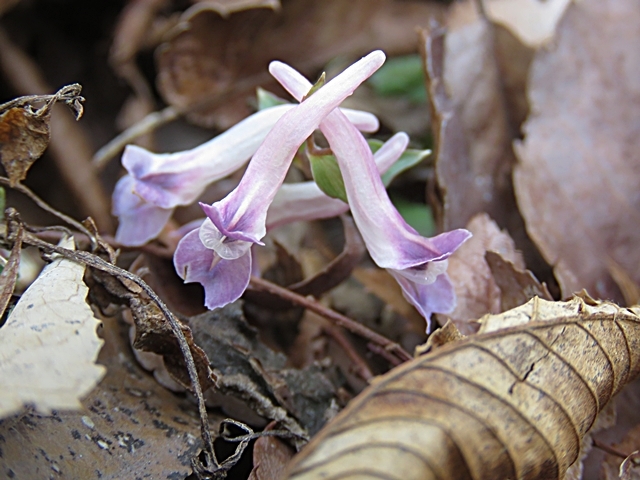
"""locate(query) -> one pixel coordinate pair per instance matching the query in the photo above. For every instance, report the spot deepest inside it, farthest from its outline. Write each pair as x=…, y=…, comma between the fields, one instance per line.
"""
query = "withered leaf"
x=474, y=156
x=270, y=458
x=216, y=57
x=49, y=345
x=10, y=271
x=577, y=178
x=512, y=403
x=130, y=427
x=476, y=290
x=24, y=129
x=517, y=285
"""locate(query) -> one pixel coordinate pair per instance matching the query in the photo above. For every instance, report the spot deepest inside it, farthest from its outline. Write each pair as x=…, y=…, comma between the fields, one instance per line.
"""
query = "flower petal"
x=139, y=221
x=436, y=297
x=242, y=213
x=224, y=281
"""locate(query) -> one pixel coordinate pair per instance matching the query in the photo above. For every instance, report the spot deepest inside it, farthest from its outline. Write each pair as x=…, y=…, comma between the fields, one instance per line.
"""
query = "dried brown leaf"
x=24, y=129
x=130, y=427
x=270, y=458
x=10, y=271
x=474, y=156
x=517, y=285
x=476, y=290
x=198, y=65
x=513, y=403
x=577, y=178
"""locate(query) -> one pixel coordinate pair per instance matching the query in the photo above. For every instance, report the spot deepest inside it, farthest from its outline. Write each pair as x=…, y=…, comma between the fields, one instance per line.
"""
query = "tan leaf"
x=577, y=180
x=49, y=344
x=532, y=21
x=474, y=156
x=197, y=65
x=513, y=403
x=270, y=458
x=517, y=285
x=476, y=290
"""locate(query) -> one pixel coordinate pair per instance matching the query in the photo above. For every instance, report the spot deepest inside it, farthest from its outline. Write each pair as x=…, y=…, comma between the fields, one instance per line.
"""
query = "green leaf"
x=409, y=158
x=316, y=86
x=401, y=76
x=418, y=215
x=327, y=175
x=267, y=99
x=3, y=200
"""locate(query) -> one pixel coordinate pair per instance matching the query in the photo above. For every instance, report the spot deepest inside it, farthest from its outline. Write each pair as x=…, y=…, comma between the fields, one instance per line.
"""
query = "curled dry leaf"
x=197, y=68
x=24, y=129
x=577, y=180
x=49, y=344
x=474, y=156
x=9, y=275
x=270, y=457
x=511, y=403
x=517, y=285
x=476, y=290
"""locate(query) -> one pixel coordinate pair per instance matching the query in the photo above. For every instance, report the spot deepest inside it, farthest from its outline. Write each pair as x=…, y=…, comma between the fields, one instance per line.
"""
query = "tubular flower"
x=238, y=221
x=157, y=183
x=417, y=263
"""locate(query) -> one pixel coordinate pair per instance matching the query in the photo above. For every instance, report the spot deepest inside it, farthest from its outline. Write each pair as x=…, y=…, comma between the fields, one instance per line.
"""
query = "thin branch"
x=48, y=208
x=260, y=284
x=361, y=367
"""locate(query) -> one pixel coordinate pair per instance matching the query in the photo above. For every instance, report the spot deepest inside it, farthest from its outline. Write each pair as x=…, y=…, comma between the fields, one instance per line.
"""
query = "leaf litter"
x=480, y=75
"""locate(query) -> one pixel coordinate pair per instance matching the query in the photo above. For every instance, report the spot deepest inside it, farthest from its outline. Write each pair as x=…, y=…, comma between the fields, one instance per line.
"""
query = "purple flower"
x=157, y=183
x=417, y=263
x=238, y=221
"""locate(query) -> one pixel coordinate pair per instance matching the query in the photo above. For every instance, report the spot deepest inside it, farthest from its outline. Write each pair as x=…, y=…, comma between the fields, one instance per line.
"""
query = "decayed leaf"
x=517, y=285
x=130, y=427
x=10, y=271
x=474, y=156
x=197, y=65
x=476, y=290
x=577, y=178
x=49, y=344
x=513, y=403
x=24, y=130
x=270, y=458
x=532, y=21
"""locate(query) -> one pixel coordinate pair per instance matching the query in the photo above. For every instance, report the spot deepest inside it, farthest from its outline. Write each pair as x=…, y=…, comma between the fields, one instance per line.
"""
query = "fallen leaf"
x=532, y=21
x=517, y=285
x=476, y=290
x=129, y=427
x=577, y=178
x=198, y=65
x=49, y=344
x=513, y=403
x=473, y=136
x=24, y=129
x=270, y=457
x=9, y=274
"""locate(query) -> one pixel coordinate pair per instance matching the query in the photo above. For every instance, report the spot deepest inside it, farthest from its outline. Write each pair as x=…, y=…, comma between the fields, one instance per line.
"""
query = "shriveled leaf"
x=49, y=344
x=196, y=67
x=476, y=290
x=513, y=403
x=10, y=271
x=532, y=21
x=473, y=136
x=517, y=285
x=24, y=129
x=130, y=427
x=577, y=179
x=270, y=458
